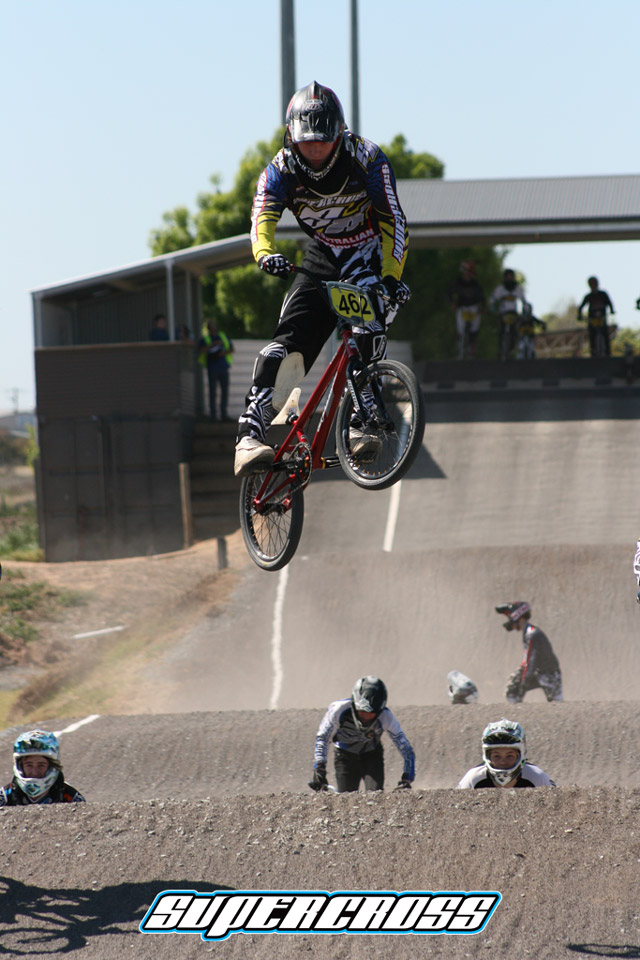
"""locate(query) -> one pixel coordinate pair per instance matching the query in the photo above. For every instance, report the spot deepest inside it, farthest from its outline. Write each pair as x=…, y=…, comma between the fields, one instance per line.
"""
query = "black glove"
x=403, y=783
x=638, y=597
x=276, y=265
x=397, y=290
x=319, y=780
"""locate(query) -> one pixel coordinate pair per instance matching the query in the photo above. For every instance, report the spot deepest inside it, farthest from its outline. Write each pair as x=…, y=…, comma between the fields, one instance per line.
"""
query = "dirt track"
x=195, y=800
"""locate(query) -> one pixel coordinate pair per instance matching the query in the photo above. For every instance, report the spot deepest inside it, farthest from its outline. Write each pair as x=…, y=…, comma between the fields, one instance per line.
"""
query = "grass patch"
x=19, y=538
x=23, y=604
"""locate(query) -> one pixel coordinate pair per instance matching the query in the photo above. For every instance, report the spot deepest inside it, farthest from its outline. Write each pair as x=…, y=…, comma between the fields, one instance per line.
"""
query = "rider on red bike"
x=341, y=189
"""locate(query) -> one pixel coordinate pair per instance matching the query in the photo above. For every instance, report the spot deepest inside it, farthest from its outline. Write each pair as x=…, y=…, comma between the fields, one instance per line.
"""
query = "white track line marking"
x=276, y=639
x=392, y=517
x=97, y=633
x=75, y=726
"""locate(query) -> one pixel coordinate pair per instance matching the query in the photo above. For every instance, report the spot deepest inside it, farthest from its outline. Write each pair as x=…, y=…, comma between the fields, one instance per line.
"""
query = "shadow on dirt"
x=629, y=951
x=45, y=920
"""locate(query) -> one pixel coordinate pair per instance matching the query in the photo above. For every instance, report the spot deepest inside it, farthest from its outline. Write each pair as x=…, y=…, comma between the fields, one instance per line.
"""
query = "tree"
x=246, y=302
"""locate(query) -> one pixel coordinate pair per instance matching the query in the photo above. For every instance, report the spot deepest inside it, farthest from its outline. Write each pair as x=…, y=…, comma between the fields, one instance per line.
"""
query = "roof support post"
x=188, y=280
x=37, y=319
x=171, y=310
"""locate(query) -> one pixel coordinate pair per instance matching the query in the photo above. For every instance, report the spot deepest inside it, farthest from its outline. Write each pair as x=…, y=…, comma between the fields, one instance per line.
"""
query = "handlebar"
x=320, y=282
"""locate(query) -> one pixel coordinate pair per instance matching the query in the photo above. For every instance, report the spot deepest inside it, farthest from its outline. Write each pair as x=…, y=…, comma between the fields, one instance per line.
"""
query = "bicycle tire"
x=271, y=537
x=399, y=425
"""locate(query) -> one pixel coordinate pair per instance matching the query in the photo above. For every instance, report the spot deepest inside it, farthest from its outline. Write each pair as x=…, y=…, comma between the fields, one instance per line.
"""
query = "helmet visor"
x=314, y=124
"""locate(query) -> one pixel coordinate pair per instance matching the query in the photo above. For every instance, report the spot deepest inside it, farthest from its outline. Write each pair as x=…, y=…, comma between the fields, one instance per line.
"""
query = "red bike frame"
x=336, y=372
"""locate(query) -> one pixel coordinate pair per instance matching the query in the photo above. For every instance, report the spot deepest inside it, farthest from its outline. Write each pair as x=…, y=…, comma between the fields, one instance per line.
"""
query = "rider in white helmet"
x=504, y=760
x=37, y=773
x=636, y=568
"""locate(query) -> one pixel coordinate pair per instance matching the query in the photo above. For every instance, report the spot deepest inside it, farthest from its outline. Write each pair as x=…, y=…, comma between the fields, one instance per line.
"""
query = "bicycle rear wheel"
x=396, y=405
x=271, y=533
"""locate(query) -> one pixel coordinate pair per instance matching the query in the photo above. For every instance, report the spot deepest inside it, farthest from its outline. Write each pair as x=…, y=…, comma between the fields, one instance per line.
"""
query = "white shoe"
x=251, y=455
x=364, y=446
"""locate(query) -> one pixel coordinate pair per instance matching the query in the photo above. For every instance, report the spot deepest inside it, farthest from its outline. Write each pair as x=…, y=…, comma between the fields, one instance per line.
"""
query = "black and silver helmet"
x=369, y=694
x=314, y=113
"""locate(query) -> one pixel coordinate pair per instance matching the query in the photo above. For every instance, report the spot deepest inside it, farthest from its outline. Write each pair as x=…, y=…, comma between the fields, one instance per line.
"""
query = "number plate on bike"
x=350, y=302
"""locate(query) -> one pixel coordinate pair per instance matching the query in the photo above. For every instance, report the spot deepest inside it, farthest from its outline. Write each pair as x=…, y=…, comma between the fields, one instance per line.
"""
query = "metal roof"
x=440, y=213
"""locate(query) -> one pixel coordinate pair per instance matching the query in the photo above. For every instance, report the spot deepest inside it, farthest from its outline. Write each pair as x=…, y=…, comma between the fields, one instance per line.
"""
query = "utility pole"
x=355, y=94
x=287, y=54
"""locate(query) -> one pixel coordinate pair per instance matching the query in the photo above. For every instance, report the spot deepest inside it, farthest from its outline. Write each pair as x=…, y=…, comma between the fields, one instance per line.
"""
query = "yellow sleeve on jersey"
x=392, y=223
x=391, y=266
x=263, y=235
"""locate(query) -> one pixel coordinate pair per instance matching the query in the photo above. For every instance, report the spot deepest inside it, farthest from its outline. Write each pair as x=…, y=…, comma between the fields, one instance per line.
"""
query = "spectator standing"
x=215, y=352
x=159, y=329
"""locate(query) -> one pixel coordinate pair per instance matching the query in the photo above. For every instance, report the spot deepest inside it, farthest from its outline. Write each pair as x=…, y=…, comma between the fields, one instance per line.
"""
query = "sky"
x=117, y=112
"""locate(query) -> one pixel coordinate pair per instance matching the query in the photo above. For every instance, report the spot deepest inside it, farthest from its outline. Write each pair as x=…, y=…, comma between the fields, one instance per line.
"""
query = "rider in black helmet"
x=355, y=725
x=341, y=189
x=539, y=666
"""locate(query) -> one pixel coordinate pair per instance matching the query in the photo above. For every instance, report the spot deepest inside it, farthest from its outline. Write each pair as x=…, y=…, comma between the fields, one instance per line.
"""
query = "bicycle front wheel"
x=272, y=528
x=394, y=428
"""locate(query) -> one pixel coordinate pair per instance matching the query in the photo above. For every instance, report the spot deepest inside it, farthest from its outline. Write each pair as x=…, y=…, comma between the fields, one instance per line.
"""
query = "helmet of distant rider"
x=503, y=733
x=509, y=279
x=468, y=266
x=314, y=114
x=369, y=695
x=36, y=743
x=461, y=689
x=513, y=612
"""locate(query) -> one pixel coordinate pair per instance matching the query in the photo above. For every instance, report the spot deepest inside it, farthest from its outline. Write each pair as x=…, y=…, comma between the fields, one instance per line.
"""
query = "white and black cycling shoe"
x=252, y=455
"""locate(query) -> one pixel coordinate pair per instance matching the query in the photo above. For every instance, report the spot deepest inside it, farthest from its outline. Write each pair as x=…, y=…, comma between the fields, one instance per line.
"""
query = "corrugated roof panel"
x=512, y=201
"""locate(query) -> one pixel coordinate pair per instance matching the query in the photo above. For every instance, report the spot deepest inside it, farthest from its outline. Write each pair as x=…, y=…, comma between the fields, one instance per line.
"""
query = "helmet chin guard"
x=504, y=733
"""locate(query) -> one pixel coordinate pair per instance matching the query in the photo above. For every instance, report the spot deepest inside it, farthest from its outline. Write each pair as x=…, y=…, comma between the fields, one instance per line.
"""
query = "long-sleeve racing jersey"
x=355, y=205
x=538, y=655
x=340, y=726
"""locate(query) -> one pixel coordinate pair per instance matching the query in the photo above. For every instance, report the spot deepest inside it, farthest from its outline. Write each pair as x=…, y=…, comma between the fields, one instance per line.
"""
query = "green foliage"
x=625, y=337
x=19, y=539
x=33, y=451
x=408, y=165
x=23, y=603
x=13, y=450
